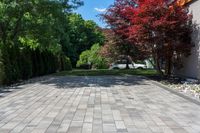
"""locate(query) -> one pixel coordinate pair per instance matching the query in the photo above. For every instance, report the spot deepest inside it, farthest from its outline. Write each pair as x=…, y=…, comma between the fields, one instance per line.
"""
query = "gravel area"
x=190, y=87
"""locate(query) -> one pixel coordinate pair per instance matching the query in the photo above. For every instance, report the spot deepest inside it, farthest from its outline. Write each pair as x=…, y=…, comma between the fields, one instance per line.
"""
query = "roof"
x=192, y=1
x=184, y=2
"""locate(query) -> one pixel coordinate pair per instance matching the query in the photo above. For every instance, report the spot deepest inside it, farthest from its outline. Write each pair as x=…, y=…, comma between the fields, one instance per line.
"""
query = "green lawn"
x=107, y=72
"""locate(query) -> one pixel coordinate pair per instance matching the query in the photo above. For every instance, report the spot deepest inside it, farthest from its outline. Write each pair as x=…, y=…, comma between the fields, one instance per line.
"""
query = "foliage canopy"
x=158, y=28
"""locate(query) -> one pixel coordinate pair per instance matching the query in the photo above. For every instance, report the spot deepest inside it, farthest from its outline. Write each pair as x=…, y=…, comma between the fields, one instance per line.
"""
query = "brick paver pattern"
x=98, y=105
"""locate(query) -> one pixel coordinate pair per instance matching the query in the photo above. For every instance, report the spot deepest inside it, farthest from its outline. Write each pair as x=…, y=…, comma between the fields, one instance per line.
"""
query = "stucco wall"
x=192, y=63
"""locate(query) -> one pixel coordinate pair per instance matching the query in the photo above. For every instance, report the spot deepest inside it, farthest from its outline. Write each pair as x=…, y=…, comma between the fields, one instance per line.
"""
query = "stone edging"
x=175, y=92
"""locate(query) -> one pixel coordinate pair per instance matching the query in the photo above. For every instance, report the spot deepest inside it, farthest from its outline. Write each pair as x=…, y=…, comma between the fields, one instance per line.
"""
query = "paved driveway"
x=96, y=104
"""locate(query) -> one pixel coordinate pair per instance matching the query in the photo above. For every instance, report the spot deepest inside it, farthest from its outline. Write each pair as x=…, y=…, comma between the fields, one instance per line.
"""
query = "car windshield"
x=140, y=62
x=122, y=62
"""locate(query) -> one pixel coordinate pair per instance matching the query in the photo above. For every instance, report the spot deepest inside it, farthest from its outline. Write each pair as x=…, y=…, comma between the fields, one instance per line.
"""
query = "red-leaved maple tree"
x=158, y=28
x=115, y=48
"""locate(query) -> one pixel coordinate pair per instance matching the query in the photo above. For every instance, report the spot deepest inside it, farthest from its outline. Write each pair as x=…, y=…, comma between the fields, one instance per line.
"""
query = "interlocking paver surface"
x=94, y=105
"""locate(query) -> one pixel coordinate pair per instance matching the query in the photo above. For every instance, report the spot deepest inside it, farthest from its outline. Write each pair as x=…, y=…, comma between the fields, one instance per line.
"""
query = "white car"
x=121, y=64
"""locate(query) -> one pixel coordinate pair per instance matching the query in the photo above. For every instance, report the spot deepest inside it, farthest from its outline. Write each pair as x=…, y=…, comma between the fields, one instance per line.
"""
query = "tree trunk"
x=157, y=64
x=127, y=63
x=152, y=62
x=168, y=66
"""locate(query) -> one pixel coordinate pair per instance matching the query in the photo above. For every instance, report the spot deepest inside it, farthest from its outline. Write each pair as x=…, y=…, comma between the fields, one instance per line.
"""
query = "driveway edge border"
x=193, y=100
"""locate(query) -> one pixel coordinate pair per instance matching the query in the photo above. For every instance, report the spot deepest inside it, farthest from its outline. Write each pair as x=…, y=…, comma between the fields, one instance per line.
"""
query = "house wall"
x=192, y=63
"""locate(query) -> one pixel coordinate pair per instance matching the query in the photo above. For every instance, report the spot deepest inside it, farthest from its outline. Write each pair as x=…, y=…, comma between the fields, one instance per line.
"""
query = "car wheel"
x=140, y=68
x=116, y=68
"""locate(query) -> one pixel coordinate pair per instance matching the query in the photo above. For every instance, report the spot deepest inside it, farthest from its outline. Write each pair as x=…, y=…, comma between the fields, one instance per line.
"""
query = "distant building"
x=192, y=63
x=183, y=2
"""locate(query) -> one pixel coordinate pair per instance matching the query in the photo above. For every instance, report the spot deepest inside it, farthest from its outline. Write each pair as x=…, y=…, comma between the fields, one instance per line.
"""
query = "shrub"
x=93, y=58
x=10, y=64
x=84, y=59
x=100, y=63
x=2, y=72
x=23, y=63
x=64, y=63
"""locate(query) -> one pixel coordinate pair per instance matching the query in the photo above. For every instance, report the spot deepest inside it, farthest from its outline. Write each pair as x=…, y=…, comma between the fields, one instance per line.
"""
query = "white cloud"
x=100, y=9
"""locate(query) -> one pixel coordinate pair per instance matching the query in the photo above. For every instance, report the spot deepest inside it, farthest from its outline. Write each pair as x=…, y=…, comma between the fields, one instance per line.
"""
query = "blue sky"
x=92, y=8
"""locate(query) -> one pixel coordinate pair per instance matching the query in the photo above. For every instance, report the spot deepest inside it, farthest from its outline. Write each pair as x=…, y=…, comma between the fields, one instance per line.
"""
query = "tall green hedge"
x=23, y=63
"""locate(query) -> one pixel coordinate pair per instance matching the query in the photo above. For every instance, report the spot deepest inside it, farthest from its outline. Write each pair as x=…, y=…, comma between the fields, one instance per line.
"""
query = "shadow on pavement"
x=7, y=90
x=71, y=82
x=68, y=82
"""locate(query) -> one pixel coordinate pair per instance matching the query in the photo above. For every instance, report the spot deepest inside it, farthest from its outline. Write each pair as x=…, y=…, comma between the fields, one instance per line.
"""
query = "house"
x=192, y=63
x=183, y=2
